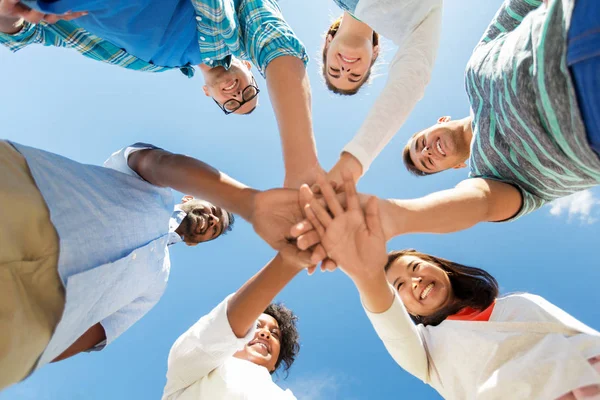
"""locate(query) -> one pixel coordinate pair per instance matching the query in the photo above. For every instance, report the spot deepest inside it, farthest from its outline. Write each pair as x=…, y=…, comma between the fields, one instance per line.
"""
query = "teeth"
x=232, y=86
x=439, y=147
x=348, y=60
x=427, y=290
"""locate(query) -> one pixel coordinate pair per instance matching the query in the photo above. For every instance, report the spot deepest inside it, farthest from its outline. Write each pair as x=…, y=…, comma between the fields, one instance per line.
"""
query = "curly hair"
x=350, y=92
x=472, y=287
x=290, y=338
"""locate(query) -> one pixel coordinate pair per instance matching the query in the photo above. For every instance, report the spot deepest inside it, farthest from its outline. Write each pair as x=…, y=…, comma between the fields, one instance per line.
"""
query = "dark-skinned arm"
x=250, y=301
x=191, y=176
x=88, y=340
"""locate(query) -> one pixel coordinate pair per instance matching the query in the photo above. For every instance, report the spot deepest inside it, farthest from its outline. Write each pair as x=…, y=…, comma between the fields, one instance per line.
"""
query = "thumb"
x=373, y=217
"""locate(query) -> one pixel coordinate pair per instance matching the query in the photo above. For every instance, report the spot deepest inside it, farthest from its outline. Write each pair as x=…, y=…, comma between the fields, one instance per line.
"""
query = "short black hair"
x=290, y=338
x=231, y=222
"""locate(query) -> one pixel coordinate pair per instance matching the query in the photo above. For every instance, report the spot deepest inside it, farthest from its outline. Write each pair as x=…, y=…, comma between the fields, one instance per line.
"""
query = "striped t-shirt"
x=527, y=127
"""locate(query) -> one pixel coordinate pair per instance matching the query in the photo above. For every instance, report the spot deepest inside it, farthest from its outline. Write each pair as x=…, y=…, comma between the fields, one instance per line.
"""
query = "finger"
x=68, y=16
x=319, y=254
x=328, y=265
x=316, y=189
x=351, y=195
x=332, y=202
x=373, y=217
x=308, y=240
x=318, y=217
x=311, y=270
x=301, y=228
x=305, y=195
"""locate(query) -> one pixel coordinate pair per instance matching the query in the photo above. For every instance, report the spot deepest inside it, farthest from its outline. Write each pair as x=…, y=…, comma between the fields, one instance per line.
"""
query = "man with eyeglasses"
x=221, y=37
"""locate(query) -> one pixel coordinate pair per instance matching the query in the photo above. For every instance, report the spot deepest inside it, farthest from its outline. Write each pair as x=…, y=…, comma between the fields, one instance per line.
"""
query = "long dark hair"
x=472, y=287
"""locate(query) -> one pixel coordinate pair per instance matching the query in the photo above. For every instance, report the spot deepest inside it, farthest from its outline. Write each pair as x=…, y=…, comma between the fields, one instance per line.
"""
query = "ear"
x=459, y=166
x=186, y=198
x=375, y=52
x=247, y=64
x=441, y=120
x=206, y=91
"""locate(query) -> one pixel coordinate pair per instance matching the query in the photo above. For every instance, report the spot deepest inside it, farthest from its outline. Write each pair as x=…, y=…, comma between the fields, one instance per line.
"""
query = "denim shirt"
x=113, y=230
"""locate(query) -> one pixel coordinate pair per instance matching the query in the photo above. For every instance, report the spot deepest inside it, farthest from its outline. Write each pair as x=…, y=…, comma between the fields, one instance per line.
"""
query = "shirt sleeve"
x=29, y=34
x=204, y=347
x=268, y=35
x=409, y=74
x=119, y=159
x=529, y=201
x=401, y=339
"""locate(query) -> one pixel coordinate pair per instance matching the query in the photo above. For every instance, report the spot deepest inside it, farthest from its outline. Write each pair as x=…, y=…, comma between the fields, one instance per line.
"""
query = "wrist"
x=393, y=218
x=289, y=263
x=350, y=163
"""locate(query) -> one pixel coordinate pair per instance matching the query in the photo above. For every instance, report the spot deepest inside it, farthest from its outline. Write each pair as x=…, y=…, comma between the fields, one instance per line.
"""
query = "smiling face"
x=264, y=348
x=423, y=287
x=225, y=84
x=203, y=221
x=348, y=60
x=439, y=147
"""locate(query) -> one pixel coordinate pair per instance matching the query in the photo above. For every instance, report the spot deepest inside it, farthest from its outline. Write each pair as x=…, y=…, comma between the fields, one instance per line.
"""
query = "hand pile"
x=317, y=225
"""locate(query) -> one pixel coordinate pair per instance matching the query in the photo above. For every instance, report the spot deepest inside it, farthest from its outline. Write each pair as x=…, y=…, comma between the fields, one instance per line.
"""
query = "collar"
x=174, y=222
x=471, y=314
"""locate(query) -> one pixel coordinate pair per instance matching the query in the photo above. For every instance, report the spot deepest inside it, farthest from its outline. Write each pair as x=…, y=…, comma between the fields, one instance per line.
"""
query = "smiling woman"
x=444, y=323
x=352, y=45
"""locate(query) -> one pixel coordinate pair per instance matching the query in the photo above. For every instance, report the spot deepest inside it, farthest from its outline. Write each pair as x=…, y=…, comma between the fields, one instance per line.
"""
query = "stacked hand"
x=16, y=9
x=274, y=212
x=349, y=237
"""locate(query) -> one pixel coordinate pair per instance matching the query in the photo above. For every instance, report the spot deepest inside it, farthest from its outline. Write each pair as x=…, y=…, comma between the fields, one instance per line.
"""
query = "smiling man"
x=222, y=37
x=84, y=251
x=534, y=132
x=85, y=248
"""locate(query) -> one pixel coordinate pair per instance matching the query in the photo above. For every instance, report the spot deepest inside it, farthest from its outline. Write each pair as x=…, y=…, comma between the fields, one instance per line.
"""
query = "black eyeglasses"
x=232, y=105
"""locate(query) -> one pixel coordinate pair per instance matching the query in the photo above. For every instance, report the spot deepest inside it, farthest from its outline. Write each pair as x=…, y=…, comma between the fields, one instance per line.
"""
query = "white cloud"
x=580, y=205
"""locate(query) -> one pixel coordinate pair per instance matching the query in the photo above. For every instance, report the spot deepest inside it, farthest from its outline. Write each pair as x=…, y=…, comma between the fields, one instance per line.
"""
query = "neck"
x=352, y=26
x=466, y=132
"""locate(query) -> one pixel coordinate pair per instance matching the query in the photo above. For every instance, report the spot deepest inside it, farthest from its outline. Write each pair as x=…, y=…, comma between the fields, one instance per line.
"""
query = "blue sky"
x=56, y=100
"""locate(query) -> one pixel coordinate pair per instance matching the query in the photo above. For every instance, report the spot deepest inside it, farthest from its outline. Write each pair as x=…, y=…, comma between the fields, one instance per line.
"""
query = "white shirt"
x=414, y=26
x=202, y=366
x=528, y=350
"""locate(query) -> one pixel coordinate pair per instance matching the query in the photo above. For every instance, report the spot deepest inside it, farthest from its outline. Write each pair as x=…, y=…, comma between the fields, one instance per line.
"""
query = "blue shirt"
x=161, y=32
x=113, y=230
x=253, y=30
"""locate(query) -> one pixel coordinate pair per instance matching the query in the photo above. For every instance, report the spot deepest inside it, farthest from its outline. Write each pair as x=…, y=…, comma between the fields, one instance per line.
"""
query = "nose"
x=345, y=69
x=426, y=151
x=265, y=334
x=212, y=220
x=416, y=281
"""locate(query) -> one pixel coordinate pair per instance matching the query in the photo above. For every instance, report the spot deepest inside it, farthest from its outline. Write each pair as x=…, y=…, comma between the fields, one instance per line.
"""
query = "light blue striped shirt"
x=528, y=131
x=114, y=229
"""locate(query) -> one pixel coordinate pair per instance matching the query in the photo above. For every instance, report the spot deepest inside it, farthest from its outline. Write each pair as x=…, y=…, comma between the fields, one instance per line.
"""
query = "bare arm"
x=255, y=295
x=289, y=90
x=470, y=202
x=10, y=25
x=191, y=176
x=89, y=339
